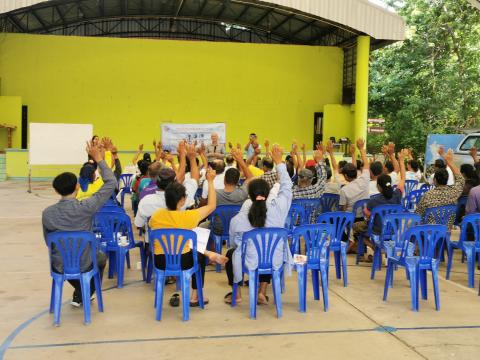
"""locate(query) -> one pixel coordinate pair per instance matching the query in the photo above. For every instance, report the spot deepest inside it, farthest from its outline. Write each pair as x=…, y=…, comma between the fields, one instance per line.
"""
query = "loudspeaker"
x=24, y=126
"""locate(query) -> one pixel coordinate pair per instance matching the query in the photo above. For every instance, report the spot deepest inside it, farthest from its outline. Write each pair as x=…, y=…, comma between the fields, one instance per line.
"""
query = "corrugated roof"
x=359, y=15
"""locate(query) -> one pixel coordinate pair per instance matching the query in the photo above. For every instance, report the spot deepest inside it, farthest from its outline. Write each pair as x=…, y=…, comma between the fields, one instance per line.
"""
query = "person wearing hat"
x=305, y=189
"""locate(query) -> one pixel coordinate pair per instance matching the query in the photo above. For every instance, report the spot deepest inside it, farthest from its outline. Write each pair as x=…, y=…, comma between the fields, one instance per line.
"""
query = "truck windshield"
x=469, y=142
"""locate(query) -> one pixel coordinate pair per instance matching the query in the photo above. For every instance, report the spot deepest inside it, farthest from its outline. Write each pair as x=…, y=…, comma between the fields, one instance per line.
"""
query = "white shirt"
x=356, y=190
x=394, y=176
x=151, y=203
x=218, y=184
x=411, y=175
x=451, y=178
x=373, y=190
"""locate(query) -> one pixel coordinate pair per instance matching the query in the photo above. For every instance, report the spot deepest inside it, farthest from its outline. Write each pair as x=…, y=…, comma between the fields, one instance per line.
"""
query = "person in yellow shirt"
x=88, y=181
x=175, y=218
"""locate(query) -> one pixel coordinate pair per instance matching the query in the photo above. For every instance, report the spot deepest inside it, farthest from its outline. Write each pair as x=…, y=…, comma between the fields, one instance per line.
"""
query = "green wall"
x=128, y=87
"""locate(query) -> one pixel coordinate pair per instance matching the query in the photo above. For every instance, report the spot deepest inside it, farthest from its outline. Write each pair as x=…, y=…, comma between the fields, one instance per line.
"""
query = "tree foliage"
x=429, y=83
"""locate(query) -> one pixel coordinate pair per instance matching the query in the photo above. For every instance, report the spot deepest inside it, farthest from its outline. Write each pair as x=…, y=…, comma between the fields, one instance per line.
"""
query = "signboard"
x=172, y=134
x=376, y=130
x=376, y=121
x=434, y=141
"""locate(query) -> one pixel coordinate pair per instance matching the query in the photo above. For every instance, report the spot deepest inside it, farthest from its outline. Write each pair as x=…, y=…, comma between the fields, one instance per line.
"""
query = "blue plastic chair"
x=111, y=226
x=470, y=225
x=342, y=224
x=410, y=185
x=224, y=214
x=426, y=187
x=316, y=239
x=413, y=199
x=296, y=217
x=71, y=245
x=312, y=209
x=393, y=228
x=329, y=203
x=172, y=242
x=426, y=239
x=265, y=242
x=379, y=213
x=357, y=212
x=461, y=205
x=125, y=185
x=441, y=215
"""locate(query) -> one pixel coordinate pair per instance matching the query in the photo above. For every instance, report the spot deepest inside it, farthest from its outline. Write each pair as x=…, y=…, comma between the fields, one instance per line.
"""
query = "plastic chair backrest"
x=224, y=213
x=470, y=226
x=395, y=225
x=440, y=215
x=414, y=198
x=379, y=212
x=426, y=239
x=410, y=185
x=316, y=237
x=360, y=204
x=311, y=206
x=341, y=222
x=296, y=216
x=113, y=223
x=329, y=202
x=426, y=187
x=112, y=208
x=461, y=204
x=266, y=241
x=71, y=245
x=172, y=242
x=126, y=181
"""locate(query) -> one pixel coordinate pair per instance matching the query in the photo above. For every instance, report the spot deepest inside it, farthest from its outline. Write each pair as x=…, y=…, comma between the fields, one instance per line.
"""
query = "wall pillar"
x=361, y=88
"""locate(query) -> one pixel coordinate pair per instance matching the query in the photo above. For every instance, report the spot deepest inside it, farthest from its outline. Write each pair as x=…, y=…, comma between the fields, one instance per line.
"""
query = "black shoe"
x=76, y=300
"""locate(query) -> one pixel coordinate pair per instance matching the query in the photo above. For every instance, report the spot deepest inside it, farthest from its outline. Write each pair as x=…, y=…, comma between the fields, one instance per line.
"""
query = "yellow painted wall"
x=338, y=121
x=127, y=87
x=10, y=113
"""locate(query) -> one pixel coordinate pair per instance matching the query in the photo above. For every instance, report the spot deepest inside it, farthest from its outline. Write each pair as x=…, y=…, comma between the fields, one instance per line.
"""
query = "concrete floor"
x=358, y=325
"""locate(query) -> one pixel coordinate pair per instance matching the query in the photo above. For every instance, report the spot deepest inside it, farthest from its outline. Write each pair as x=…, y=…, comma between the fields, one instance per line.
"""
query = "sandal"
x=197, y=303
x=262, y=302
x=175, y=300
x=229, y=302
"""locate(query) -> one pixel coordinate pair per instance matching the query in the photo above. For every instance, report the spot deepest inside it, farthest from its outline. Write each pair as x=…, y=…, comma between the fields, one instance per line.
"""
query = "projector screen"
x=59, y=144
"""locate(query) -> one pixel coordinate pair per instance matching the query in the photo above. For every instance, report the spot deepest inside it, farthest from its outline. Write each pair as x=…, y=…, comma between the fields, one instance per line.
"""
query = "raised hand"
x=441, y=151
x=96, y=151
x=473, y=152
x=191, y=151
x=319, y=146
x=361, y=143
x=391, y=148
x=330, y=147
x=302, y=147
x=352, y=149
x=210, y=176
x=257, y=150
x=318, y=155
x=384, y=150
x=277, y=154
x=267, y=143
x=448, y=156
x=182, y=149
x=140, y=147
x=237, y=154
x=230, y=146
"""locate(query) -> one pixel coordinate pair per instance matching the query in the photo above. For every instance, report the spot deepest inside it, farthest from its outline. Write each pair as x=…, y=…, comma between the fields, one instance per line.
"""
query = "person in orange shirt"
x=175, y=218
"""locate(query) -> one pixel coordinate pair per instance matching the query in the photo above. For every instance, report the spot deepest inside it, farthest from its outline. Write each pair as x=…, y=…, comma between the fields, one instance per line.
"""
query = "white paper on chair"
x=202, y=239
x=299, y=259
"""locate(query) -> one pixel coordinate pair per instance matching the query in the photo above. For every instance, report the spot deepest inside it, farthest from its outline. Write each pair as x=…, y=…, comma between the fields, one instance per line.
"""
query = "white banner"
x=172, y=134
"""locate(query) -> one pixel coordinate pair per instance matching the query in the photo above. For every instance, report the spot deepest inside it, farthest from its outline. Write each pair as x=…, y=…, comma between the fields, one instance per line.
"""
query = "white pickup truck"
x=462, y=154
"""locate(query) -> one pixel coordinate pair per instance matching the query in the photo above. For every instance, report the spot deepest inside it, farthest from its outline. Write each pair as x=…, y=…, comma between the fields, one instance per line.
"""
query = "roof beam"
x=101, y=8
x=222, y=10
x=39, y=19
x=245, y=9
x=17, y=23
x=283, y=22
x=123, y=7
x=268, y=12
x=179, y=7
x=298, y=31
x=200, y=12
x=60, y=14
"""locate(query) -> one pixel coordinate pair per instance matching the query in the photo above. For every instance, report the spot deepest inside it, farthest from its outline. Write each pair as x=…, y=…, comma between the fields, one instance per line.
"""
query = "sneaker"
x=76, y=300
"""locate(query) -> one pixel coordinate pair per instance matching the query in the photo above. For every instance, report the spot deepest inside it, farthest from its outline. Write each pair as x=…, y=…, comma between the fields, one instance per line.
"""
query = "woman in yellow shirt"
x=89, y=183
x=175, y=218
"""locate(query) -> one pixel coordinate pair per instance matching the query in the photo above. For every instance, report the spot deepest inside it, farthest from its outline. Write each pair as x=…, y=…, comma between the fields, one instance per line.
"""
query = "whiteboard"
x=173, y=133
x=59, y=144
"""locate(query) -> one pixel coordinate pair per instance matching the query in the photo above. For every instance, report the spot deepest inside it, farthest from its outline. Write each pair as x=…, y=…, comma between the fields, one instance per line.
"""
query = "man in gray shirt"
x=69, y=214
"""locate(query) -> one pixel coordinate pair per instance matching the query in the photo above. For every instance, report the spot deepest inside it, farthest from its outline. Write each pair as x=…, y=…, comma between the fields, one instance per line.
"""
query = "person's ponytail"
x=384, y=182
x=258, y=191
